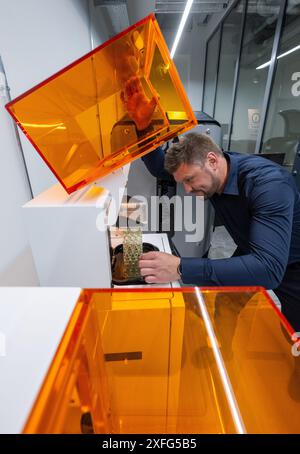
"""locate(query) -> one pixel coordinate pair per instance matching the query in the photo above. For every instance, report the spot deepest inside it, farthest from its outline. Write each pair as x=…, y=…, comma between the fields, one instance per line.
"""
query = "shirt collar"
x=231, y=186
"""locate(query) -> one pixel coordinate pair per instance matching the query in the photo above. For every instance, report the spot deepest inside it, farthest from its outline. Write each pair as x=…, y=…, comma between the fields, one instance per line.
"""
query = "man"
x=259, y=205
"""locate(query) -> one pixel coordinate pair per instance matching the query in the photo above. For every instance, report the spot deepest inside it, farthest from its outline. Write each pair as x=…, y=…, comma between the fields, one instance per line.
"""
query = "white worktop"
x=32, y=323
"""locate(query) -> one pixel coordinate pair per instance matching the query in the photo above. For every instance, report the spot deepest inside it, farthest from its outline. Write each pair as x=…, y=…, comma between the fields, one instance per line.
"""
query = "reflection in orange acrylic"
x=106, y=109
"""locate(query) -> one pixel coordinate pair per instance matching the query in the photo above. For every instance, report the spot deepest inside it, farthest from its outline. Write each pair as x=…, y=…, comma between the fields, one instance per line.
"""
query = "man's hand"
x=159, y=267
x=138, y=106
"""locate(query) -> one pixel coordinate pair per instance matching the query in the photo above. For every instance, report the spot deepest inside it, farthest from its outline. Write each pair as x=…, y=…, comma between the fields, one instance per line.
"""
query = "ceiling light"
x=181, y=26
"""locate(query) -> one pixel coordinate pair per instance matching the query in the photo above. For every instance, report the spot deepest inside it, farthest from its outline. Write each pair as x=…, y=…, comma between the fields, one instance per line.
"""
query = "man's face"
x=199, y=180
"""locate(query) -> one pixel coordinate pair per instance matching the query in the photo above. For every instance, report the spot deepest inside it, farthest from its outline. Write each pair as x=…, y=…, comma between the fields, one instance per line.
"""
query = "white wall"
x=192, y=45
x=37, y=38
x=192, y=48
x=99, y=27
x=16, y=265
x=189, y=60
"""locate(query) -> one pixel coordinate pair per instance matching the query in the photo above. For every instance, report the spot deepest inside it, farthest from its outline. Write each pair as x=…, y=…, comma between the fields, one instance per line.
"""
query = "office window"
x=230, y=40
x=256, y=50
x=211, y=72
x=282, y=130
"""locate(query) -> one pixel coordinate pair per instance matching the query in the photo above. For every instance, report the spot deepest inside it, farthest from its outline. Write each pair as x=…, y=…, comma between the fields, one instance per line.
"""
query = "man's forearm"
x=234, y=271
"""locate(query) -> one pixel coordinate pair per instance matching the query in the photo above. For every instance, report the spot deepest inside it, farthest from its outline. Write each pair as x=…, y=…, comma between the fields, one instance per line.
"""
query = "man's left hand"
x=159, y=267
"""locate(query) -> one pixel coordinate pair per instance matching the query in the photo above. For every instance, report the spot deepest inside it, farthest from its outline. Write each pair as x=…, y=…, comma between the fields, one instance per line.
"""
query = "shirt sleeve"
x=272, y=206
x=154, y=161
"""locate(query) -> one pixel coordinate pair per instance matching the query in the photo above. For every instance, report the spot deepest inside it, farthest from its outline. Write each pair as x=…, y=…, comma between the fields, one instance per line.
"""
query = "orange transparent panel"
x=172, y=361
x=111, y=106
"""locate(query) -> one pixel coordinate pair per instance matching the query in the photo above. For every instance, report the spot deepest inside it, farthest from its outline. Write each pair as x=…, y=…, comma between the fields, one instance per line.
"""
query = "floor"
x=223, y=246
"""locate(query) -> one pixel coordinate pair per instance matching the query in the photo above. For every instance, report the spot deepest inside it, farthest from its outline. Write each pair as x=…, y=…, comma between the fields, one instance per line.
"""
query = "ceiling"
x=121, y=13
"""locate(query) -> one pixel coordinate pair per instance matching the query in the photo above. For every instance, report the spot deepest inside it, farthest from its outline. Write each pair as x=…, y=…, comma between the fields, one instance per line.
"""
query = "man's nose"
x=187, y=187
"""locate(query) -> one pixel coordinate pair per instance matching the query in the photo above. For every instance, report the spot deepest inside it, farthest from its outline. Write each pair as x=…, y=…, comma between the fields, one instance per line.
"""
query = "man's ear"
x=212, y=160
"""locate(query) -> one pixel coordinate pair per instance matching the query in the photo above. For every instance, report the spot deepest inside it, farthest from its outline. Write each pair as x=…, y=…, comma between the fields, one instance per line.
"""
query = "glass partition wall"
x=211, y=71
x=256, y=50
x=282, y=127
x=231, y=34
x=256, y=94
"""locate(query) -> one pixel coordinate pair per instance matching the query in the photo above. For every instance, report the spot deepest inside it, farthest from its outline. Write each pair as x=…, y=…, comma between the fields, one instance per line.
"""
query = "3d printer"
x=115, y=361
x=88, y=122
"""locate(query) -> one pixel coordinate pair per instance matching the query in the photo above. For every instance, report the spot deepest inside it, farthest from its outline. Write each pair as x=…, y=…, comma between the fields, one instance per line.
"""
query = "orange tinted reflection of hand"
x=140, y=109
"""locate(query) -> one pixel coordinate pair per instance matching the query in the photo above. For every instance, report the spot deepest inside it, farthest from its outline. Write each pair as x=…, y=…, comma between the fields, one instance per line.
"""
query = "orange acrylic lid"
x=113, y=105
x=184, y=360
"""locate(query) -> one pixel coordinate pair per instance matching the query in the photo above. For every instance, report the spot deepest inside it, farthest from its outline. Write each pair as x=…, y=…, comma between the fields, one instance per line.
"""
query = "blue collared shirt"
x=260, y=207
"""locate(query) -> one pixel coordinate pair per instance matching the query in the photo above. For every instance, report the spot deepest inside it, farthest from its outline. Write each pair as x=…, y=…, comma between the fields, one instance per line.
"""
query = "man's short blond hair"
x=192, y=148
